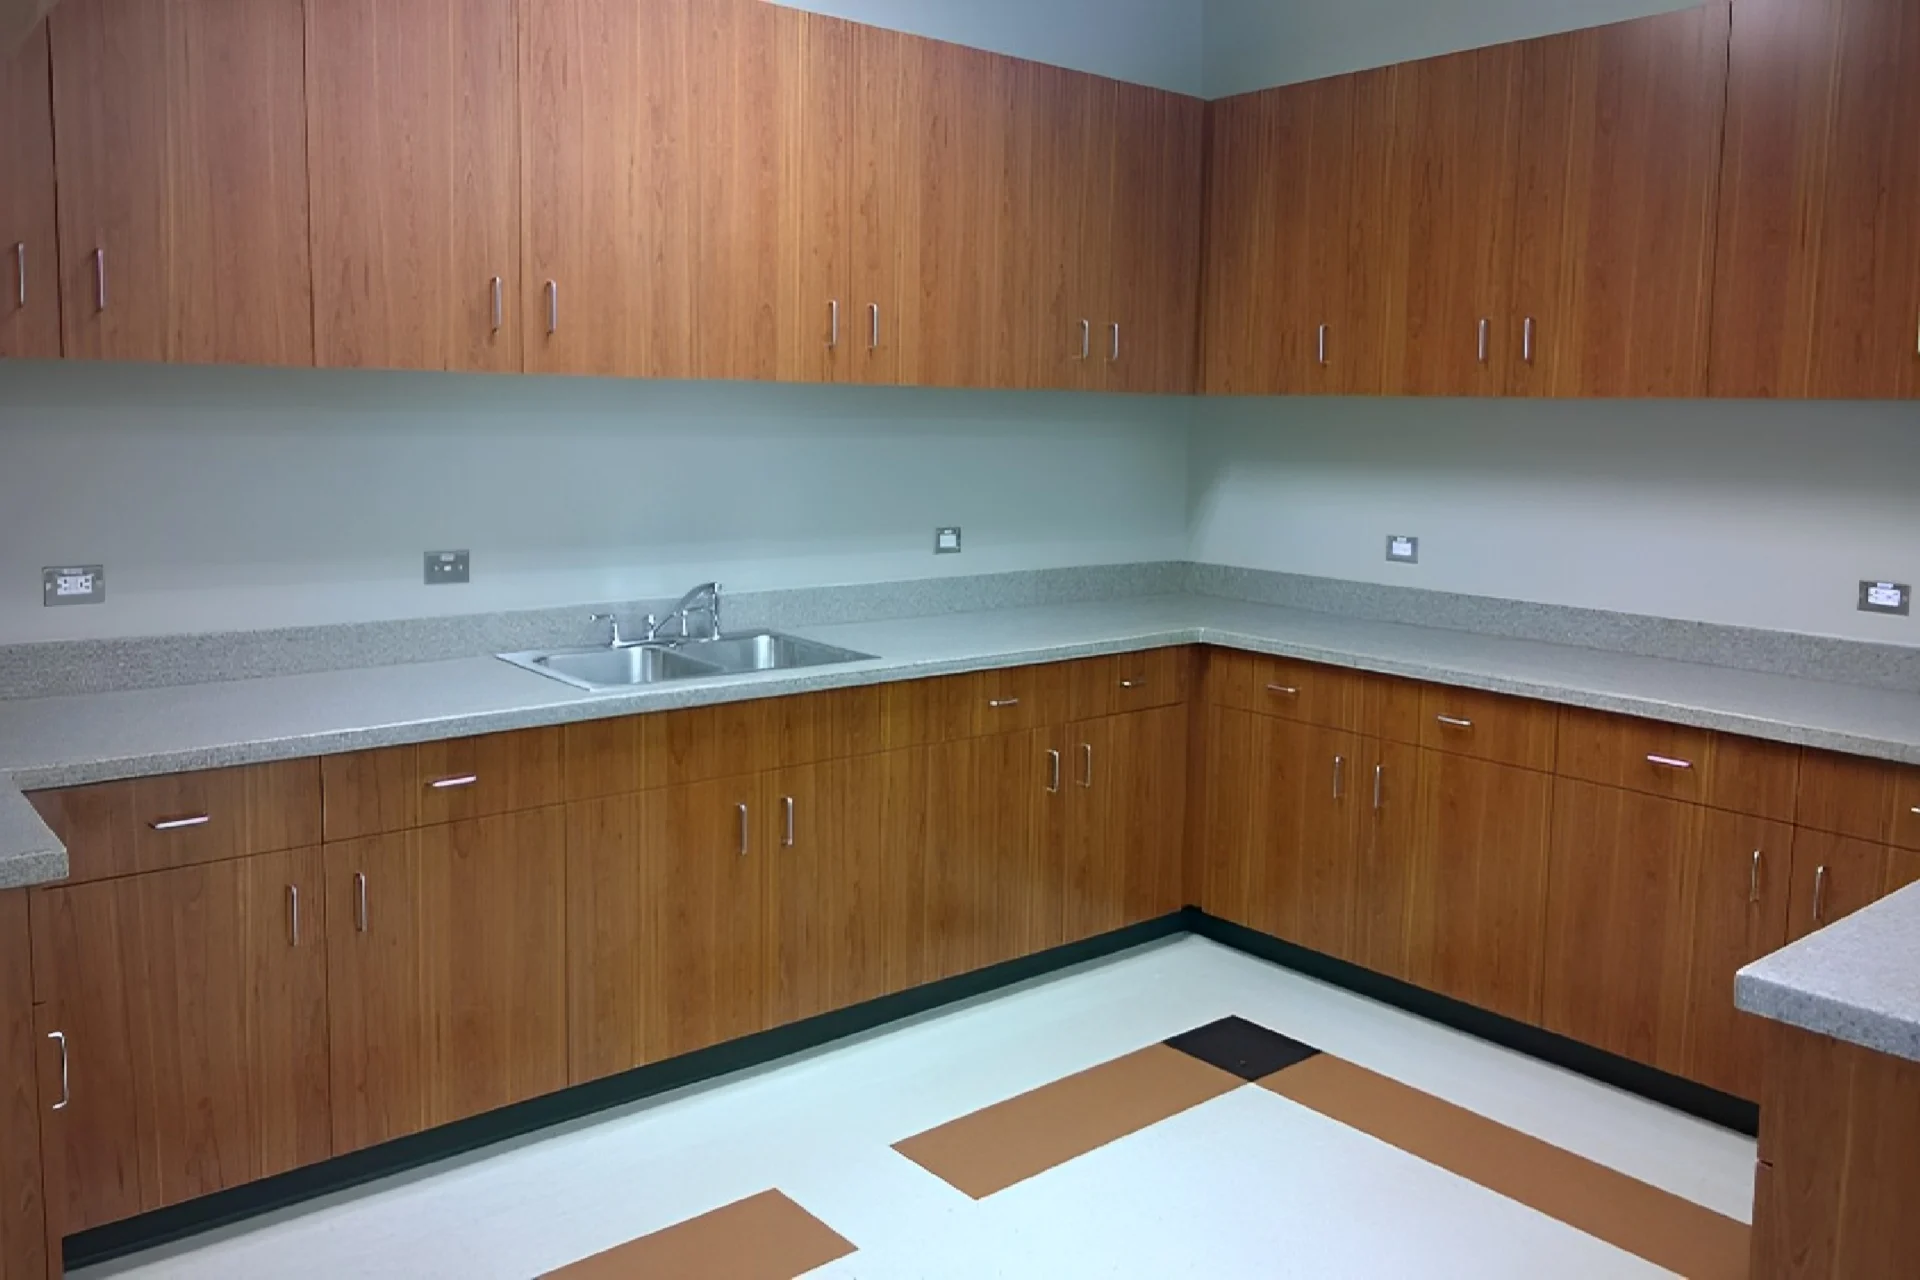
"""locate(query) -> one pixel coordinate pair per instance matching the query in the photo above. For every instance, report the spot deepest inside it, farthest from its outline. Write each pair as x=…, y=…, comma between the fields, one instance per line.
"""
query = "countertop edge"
x=30, y=853
x=1806, y=985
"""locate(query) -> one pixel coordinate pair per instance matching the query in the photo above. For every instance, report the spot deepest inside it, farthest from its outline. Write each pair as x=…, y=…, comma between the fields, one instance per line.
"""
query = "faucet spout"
x=705, y=599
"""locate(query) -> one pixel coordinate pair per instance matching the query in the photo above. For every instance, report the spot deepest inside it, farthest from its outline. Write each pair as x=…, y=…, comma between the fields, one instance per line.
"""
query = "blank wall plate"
x=1402, y=549
x=946, y=542
x=73, y=584
x=1886, y=597
x=447, y=568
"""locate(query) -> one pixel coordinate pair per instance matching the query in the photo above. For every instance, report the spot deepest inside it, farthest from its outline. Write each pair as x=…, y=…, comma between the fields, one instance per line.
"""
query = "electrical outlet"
x=447, y=568
x=1402, y=549
x=73, y=584
x=946, y=542
x=1886, y=597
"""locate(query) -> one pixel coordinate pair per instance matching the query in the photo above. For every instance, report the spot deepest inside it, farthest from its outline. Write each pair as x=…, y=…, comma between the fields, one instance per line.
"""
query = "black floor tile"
x=1246, y=1049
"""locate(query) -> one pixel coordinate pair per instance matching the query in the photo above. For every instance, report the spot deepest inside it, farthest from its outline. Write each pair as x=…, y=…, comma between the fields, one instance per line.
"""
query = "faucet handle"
x=608, y=617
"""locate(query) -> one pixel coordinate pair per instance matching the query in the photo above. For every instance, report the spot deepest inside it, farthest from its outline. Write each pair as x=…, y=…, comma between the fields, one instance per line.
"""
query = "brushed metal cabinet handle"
x=1669, y=762
x=66, y=1087
x=1916, y=810
x=1086, y=339
x=1753, y=882
x=786, y=837
x=1321, y=349
x=1284, y=690
x=99, y=280
x=20, y=271
x=1000, y=703
x=873, y=326
x=448, y=784
x=1053, y=772
x=1141, y=684
x=293, y=912
x=833, y=324
x=499, y=303
x=181, y=824
x=744, y=829
x=1379, y=787
x=1339, y=777
x=553, y=307
x=1454, y=722
x=1819, y=894
x=1114, y=358
x=360, y=901
x=1526, y=340
x=1086, y=765
x=1485, y=326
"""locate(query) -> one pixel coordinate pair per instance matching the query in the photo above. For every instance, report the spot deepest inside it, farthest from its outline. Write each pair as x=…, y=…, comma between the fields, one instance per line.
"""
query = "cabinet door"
x=23, y=1221
x=1480, y=893
x=1390, y=850
x=447, y=990
x=1618, y=206
x=413, y=145
x=181, y=153
x=30, y=272
x=1450, y=233
x=804, y=845
x=1150, y=336
x=1127, y=813
x=884, y=145
x=608, y=177
x=818, y=320
x=186, y=1022
x=707, y=980
x=1620, y=920
x=957, y=262
x=990, y=895
x=1818, y=288
x=1232, y=821
x=1066, y=143
x=1739, y=914
x=1834, y=876
x=1242, y=190
x=609, y=936
x=1301, y=876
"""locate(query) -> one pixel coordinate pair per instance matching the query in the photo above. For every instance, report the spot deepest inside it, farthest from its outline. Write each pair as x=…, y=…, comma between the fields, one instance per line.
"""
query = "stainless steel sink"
x=604, y=669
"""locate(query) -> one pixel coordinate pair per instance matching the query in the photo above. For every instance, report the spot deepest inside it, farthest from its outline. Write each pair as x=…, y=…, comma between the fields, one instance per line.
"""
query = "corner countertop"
x=68, y=741
x=1857, y=980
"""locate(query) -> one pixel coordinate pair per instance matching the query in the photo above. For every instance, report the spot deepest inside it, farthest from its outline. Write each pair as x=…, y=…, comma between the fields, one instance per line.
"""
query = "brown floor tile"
x=764, y=1237
x=1667, y=1230
x=1011, y=1141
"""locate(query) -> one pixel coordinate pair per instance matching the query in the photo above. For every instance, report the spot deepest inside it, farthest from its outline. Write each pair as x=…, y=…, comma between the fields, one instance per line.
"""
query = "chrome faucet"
x=619, y=641
x=691, y=603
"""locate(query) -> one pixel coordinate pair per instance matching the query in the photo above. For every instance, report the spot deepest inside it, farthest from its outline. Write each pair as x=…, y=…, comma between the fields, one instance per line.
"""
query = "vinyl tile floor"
x=1051, y=1131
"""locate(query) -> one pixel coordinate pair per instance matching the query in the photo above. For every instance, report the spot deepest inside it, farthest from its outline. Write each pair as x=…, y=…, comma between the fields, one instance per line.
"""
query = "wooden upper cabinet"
x=609, y=188
x=1240, y=190
x=413, y=141
x=1617, y=207
x=23, y=1224
x=1740, y=894
x=1059, y=278
x=29, y=265
x=1817, y=292
x=181, y=147
x=1153, y=243
x=881, y=140
x=1449, y=239
x=817, y=320
x=956, y=219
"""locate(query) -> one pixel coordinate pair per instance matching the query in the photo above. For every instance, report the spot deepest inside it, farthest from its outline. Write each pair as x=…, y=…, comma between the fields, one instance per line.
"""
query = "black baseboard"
x=225, y=1208
x=1695, y=1099
x=165, y=1226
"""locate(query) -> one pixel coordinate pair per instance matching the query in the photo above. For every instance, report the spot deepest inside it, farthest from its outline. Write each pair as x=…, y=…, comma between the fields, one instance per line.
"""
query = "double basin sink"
x=606, y=668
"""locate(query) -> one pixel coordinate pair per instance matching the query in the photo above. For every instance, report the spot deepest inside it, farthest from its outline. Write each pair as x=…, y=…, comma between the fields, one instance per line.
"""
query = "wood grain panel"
x=1061, y=274
x=1301, y=873
x=1727, y=772
x=1450, y=222
x=1154, y=232
x=1835, y=876
x=1498, y=728
x=380, y=1007
x=1739, y=914
x=903, y=784
x=885, y=145
x=609, y=936
x=706, y=980
x=23, y=1221
x=115, y=828
x=1383, y=915
x=29, y=250
x=1620, y=913
x=1242, y=189
x=1479, y=915
x=181, y=151
x=1867, y=799
x=1331, y=697
x=1129, y=682
x=512, y=771
x=1020, y=697
x=817, y=317
x=1817, y=292
x=1230, y=814
x=413, y=146
x=608, y=188
x=1618, y=206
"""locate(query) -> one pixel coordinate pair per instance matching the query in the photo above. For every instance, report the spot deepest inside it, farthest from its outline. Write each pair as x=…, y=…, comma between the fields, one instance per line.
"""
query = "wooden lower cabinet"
x=1480, y=886
x=182, y=1020
x=1224, y=827
x=1384, y=899
x=1739, y=915
x=992, y=891
x=1126, y=806
x=1311, y=808
x=1835, y=876
x=446, y=978
x=23, y=1223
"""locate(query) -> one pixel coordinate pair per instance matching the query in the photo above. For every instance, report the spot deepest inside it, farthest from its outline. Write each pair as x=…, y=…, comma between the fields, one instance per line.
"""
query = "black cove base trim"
x=1248, y=1047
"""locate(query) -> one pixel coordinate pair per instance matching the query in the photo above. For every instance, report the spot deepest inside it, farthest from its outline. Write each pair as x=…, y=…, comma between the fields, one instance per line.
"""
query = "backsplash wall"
x=244, y=498
x=1758, y=514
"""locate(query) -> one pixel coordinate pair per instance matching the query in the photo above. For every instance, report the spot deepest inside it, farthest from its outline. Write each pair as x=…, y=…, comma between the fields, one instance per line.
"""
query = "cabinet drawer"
x=152, y=824
x=1488, y=726
x=400, y=788
x=1331, y=697
x=1020, y=698
x=1866, y=799
x=1727, y=772
x=1126, y=682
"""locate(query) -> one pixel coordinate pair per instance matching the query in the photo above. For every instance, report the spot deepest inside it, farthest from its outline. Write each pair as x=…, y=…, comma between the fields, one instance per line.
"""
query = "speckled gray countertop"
x=1857, y=980
x=66, y=741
